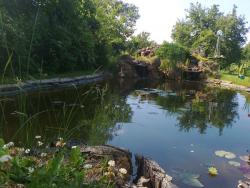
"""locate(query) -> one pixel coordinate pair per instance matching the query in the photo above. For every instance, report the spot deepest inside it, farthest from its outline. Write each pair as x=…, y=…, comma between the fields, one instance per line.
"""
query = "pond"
x=179, y=125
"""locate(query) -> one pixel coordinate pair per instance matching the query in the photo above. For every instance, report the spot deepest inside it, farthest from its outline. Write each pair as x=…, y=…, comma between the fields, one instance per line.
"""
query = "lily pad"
x=190, y=179
x=234, y=163
x=226, y=154
x=245, y=158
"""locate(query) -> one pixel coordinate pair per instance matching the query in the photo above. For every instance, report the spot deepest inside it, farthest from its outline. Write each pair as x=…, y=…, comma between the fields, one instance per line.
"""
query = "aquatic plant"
x=212, y=171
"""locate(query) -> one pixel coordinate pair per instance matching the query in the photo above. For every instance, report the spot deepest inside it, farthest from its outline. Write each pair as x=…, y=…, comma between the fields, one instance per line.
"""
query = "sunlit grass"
x=235, y=79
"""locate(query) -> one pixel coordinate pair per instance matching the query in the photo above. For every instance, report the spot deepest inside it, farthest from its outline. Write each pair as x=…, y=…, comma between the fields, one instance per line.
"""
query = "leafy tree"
x=117, y=23
x=172, y=53
x=246, y=52
x=142, y=40
x=200, y=26
x=65, y=35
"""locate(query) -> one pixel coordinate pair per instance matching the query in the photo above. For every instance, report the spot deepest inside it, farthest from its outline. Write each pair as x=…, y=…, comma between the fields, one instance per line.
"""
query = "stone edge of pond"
x=226, y=85
x=149, y=173
x=36, y=85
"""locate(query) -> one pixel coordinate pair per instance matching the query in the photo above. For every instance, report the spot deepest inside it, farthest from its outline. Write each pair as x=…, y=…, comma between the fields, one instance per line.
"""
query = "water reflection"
x=194, y=106
x=93, y=113
x=89, y=113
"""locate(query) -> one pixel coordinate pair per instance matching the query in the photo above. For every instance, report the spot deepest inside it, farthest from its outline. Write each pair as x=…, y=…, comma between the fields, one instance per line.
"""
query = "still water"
x=179, y=125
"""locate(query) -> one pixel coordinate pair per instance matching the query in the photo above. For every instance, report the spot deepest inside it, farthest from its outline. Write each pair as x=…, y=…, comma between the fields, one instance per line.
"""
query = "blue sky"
x=159, y=16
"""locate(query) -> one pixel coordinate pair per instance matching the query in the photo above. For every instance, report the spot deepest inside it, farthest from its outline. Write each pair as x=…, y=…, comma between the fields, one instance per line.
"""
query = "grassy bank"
x=235, y=79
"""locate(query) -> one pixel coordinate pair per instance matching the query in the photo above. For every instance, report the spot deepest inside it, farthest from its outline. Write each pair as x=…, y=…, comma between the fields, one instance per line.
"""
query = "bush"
x=172, y=53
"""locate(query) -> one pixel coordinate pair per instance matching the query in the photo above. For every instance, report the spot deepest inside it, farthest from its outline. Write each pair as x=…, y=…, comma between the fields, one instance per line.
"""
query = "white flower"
x=31, y=170
x=73, y=147
x=27, y=151
x=5, y=158
x=123, y=171
x=88, y=166
x=111, y=163
x=38, y=137
x=39, y=143
x=43, y=154
x=60, y=138
x=10, y=144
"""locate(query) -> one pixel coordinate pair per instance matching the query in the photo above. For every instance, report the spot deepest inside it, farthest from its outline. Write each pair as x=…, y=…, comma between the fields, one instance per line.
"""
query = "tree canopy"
x=200, y=26
x=141, y=40
x=64, y=35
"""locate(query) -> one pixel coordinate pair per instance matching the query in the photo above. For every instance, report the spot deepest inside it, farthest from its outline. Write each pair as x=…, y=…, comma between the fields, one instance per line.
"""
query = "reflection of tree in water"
x=217, y=108
x=197, y=107
x=107, y=113
x=88, y=113
x=247, y=105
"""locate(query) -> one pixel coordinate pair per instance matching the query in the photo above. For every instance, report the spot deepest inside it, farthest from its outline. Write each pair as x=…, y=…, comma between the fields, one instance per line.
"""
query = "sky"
x=159, y=16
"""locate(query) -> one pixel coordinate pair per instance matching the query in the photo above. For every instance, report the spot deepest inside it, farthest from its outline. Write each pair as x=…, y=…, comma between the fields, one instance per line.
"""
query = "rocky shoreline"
x=45, y=84
x=226, y=85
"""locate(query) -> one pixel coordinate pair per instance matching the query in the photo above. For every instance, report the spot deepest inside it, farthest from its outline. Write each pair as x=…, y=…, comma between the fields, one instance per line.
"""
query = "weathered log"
x=149, y=169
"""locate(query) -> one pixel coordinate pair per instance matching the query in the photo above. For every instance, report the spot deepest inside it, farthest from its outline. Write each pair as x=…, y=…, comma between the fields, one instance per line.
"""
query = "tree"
x=200, y=26
x=172, y=53
x=64, y=35
x=117, y=23
x=142, y=40
x=246, y=52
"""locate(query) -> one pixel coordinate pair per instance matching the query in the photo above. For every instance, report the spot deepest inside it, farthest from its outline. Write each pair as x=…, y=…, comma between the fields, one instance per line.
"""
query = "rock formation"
x=136, y=69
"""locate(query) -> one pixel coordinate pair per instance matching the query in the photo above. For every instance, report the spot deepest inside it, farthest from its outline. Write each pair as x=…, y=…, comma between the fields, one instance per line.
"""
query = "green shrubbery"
x=172, y=55
x=199, y=29
x=64, y=168
x=62, y=36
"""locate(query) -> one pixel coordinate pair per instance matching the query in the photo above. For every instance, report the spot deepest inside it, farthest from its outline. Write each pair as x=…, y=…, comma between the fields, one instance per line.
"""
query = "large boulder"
x=131, y=68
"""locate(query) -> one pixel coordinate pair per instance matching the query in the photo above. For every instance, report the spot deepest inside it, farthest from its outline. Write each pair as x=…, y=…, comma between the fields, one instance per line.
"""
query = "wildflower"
x=27, y=151
x=31, y=170
x=43, y=154
x=88, y=166
x=38, y=137
x=123, y=171
x=60, y=139
x=73, y=147
x=111, y=163
x=39, y=143
x=9, y=145
x=60, y=143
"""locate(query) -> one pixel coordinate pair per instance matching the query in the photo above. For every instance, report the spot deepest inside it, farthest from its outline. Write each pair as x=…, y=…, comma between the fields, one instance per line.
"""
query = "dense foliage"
x=199, y=29
x=65, y=35
x=140, y=41
x=21, y=167
x=173, y=54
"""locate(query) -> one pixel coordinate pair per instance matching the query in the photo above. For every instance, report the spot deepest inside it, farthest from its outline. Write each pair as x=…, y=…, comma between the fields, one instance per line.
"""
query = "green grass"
x=149, y=60
x=235, y=80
